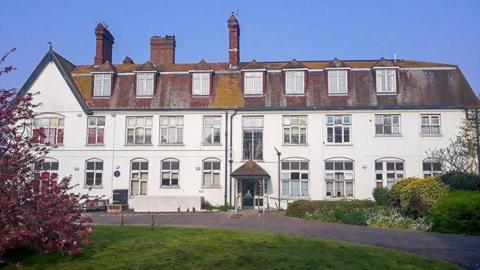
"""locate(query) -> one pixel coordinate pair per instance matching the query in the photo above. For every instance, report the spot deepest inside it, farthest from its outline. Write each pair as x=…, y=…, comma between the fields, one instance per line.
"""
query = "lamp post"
x=279, y=182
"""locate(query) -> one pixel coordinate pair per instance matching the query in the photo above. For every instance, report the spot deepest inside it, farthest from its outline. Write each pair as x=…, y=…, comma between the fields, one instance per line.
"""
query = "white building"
x=169, y=134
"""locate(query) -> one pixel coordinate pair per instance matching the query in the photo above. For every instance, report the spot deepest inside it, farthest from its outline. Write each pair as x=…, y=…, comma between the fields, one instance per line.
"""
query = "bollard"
x=153, y=221
x=121, y=220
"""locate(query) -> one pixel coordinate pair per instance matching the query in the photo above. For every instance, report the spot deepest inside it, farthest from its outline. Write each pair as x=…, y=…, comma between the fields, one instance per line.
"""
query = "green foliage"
x=381, y=195
x=224, y=207
x=389, y=217
x=461, y=181
x=397, y=189
x=419, y=195
x=457, y=212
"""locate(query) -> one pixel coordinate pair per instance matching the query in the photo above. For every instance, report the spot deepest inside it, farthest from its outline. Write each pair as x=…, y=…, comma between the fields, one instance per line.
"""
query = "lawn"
x=190, y=248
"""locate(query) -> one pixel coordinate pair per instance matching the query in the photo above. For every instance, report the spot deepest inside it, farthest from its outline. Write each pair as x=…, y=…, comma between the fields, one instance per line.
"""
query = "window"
x=49, y=130
x=337, y=82
x=386, y=82
x=252, y=137
x=211, y=129
x=170, y=170
x=295, y=129
x=93, y=173
x=139, y=130
x=138, y=177
x=295, y=82
x=295, y=176
x=387, y=124
x=253, y=83
x=102, y=85
x=339, y=128
x=145, y=83
x=201, y=84
x=430, y=124
x=387, y=172
x=211, y=173
x=171, y=129
x=431, y=168
x=47, y=172
x=96, y=127
x=339, y=178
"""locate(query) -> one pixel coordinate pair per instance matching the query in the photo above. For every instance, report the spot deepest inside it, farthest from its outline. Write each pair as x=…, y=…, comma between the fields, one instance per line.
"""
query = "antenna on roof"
x=237, y=13
x=50, y=47
x=395, y=56
x=105, y=24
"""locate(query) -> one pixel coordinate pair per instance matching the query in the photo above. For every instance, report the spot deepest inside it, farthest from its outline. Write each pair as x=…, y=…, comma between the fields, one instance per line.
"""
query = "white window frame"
x=345, y=124
x=295, y=123
x=95, y=172
x=48, y=124
x=386, y=80
x=253, y=83
x=211, y=171
x=40, y=169
x=431, y=172
x=294, y=82
x=212, y=125
x=137, y=126
x=102, y=84
x=252, y=124
x=384, y=121
x=171, y=171
x=145, y=84
x=338, y=177
x=302, y=168
x=335, y=85
x=385, y=171
x=201, y=83
x=94, y=124
x=171, y=129
x=428, y=125
x=140, y=172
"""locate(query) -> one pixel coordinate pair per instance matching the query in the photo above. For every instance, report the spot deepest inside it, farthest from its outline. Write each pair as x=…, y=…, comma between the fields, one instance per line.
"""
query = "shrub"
x=419, y=195
x=381, y=195
x=461, y=181
x=457, y=212
x=389, y=217
x=397, y=189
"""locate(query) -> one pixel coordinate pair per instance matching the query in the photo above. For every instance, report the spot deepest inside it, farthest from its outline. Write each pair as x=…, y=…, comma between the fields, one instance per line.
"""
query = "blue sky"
x=438, y=31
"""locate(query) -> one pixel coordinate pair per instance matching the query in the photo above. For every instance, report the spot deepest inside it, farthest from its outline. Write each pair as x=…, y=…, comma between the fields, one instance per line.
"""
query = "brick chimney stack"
x=233, y=41
x=162, y=50
x=104, y=43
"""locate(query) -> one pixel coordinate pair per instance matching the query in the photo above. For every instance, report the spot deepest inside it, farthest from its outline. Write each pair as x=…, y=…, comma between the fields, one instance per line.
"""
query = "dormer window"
x=386, y=81
x=253, y=83
x=295, y=82
x=145, y=82
x=201, y=83
x=102, y=86
x=337, y=82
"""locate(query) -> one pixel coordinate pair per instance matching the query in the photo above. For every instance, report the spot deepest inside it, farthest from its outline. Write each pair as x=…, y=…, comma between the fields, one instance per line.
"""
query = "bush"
x=419, y=195
x=381, y=195
x=457, y=212
x=461, y=181
x=397, y=189
x=389, y=217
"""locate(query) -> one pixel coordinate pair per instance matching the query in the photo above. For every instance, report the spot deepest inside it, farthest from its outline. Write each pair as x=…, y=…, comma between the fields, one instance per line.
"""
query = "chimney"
x=233, y=41
x=104, y=43
x=162, y=50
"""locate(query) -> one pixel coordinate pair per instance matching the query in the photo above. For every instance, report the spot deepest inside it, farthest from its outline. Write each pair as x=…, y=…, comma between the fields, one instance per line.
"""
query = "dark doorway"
x=248, y=193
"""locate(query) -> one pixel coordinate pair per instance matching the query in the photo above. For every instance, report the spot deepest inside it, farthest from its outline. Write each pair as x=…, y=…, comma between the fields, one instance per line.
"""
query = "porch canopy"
x=250, y=169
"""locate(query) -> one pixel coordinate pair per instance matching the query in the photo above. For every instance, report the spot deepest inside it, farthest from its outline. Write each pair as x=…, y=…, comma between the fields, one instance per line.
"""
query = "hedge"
x=419, y=195
x=457, y=212
x=461, y=181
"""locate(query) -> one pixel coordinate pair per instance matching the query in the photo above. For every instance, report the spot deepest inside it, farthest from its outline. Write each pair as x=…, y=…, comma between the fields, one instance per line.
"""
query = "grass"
x=191, y=248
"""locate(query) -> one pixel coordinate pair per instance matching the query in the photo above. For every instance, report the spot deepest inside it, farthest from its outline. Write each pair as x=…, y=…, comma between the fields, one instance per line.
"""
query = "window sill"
x=256, y=160
x=211, y=144
x=211, y=187
x=294, y=144
x=144, y=97
x=101, y=97
x=170, y=187
x=95, y=145
x=171, y=144
x=387, y=93
x=340, y=198
x=431, y=135
x=338, y=94
x=339, y=144
x=295, y=95
x=138, y=144
x=253, y=95
x=388, y=135
x=92, y=187
x=200, y=96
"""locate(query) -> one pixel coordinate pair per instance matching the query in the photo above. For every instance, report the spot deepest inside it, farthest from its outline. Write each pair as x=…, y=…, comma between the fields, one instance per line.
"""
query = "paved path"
x=459, y=249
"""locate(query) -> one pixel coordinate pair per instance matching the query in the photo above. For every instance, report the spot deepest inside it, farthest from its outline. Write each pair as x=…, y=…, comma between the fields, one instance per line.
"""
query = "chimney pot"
x=127, y=60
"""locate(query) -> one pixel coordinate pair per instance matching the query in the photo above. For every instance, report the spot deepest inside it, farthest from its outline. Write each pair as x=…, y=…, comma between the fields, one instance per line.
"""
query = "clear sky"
x=435, y=30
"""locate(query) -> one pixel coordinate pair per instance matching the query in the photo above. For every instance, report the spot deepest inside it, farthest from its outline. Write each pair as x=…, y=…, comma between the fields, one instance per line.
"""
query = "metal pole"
x=477, y=129
x=279, y=181
x=226, y=157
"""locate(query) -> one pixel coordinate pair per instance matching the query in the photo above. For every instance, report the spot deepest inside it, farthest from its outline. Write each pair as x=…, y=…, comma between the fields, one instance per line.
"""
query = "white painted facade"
x=365, y=147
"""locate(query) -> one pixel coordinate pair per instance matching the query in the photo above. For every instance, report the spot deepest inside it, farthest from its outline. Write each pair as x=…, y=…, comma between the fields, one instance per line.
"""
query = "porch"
x=250, y=187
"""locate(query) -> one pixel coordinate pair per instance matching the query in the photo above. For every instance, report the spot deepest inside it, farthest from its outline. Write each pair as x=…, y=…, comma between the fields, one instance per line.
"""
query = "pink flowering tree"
x=36, y=210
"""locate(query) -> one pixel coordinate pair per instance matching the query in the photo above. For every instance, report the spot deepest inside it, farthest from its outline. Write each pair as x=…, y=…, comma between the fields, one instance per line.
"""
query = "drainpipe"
x=231, y=154
x=279, y=182
x=226, y=156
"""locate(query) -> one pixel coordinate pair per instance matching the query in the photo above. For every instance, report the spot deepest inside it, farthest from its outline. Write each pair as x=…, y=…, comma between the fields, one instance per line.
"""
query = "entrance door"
x=248, y=192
